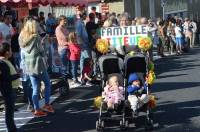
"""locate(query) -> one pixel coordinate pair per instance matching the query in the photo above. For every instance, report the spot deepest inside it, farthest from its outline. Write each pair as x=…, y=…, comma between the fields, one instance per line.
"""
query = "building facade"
x=183, y=8
x=163, y=8
x=147, y=8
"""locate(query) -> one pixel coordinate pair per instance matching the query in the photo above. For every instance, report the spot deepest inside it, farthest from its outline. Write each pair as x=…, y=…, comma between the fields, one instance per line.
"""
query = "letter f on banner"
x=102, y=31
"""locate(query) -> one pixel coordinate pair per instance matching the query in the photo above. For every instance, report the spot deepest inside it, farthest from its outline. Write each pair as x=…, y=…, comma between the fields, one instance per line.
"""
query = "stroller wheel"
x=124, y=125
x=151, y=115
x=102, y=124
x=121, y=124
x=99, y=125
x=149, y=124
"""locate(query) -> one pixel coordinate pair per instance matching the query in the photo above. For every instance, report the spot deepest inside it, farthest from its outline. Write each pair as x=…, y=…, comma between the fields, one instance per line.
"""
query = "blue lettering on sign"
x=132, y=40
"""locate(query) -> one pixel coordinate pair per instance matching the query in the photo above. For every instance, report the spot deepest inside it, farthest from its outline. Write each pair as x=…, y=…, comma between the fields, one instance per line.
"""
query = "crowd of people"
x=35, y=47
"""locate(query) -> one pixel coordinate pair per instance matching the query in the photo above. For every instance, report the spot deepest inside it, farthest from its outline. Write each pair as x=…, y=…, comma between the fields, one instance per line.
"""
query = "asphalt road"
x=177, y=89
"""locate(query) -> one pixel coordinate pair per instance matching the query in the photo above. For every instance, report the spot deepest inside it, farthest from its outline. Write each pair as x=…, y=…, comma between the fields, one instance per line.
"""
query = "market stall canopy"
x=52, y=2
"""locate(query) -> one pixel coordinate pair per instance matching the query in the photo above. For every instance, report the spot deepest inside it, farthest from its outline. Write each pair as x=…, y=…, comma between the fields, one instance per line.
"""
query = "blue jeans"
x=49, y=60
x=74, y=69
x=65, y=61
x=28, y=91
x=84, y=54
x=8, y=96
x=94, y=58
x=17, y=58
x=35, y=81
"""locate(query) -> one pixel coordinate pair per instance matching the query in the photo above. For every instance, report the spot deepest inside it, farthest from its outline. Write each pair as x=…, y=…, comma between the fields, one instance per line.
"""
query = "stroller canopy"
x=135, y=64
x=109, y=64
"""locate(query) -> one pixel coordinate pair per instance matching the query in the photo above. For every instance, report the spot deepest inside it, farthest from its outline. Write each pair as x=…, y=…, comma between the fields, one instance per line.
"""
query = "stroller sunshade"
x=109, y=64
x=135, y=65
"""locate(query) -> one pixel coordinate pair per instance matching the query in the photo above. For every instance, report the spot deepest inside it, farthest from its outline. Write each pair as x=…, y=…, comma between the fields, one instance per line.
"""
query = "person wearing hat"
x=137, y=95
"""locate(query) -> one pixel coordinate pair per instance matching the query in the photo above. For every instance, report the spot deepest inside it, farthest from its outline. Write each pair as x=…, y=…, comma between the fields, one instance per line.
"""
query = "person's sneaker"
x=30, y=108
x=48, y=108
x=40, y=113
x=89, y=84
x=77, y=82
x=83, y=83
x=76, y=85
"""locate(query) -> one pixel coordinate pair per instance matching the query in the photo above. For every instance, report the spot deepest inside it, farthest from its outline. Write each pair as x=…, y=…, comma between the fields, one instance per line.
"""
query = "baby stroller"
x=111, y=65
x=139, y=64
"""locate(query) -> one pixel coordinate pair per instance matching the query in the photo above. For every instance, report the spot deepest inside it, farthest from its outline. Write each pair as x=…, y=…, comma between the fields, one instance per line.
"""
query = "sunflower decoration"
x=97, y=101
x=151, y=77
x=152, y=102
x=102, y=46
x=145, y=43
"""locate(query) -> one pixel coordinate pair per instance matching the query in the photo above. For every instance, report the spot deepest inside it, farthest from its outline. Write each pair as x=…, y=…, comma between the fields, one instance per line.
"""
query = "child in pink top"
x=74, y=56
x=113, y=93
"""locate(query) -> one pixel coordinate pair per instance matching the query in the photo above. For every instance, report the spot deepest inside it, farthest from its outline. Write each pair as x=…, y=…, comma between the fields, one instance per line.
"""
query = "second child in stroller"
x=137, y=95
x=113, y=93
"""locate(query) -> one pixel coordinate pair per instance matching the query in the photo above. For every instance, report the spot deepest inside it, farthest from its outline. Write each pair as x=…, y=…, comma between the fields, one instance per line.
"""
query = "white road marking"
x=20, y=120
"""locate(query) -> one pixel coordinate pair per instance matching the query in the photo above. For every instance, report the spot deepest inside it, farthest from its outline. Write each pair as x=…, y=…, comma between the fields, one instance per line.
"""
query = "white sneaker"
x=89, y=84
x=75, y=84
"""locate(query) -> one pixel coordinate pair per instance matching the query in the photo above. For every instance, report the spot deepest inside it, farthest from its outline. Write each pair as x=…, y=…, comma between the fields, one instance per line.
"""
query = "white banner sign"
x=128, y=35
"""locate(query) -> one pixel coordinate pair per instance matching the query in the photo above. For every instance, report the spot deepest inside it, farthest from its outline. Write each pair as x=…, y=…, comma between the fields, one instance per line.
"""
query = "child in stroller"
x=136, y=71
x=113, y=93
x=111, y=68
x=136, y=94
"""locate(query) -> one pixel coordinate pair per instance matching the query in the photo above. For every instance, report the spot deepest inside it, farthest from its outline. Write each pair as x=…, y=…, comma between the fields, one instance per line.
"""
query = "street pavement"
x=177, y=89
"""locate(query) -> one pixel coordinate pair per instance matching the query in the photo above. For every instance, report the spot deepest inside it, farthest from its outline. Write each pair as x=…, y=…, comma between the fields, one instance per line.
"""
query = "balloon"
x=145, y=43
x=102, y=45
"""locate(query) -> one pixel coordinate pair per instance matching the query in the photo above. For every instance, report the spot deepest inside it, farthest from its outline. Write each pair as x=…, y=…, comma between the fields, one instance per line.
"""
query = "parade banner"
x=127, y=35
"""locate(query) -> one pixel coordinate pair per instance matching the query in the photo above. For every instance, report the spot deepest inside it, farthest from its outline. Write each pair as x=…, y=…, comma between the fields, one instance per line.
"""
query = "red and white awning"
x=54, y=2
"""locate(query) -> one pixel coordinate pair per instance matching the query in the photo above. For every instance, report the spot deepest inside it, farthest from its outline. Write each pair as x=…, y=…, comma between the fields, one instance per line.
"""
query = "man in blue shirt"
x=82, y=39
x=50, y=24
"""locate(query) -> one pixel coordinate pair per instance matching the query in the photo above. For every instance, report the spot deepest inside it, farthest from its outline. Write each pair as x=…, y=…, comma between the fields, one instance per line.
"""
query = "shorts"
x=179, y=41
